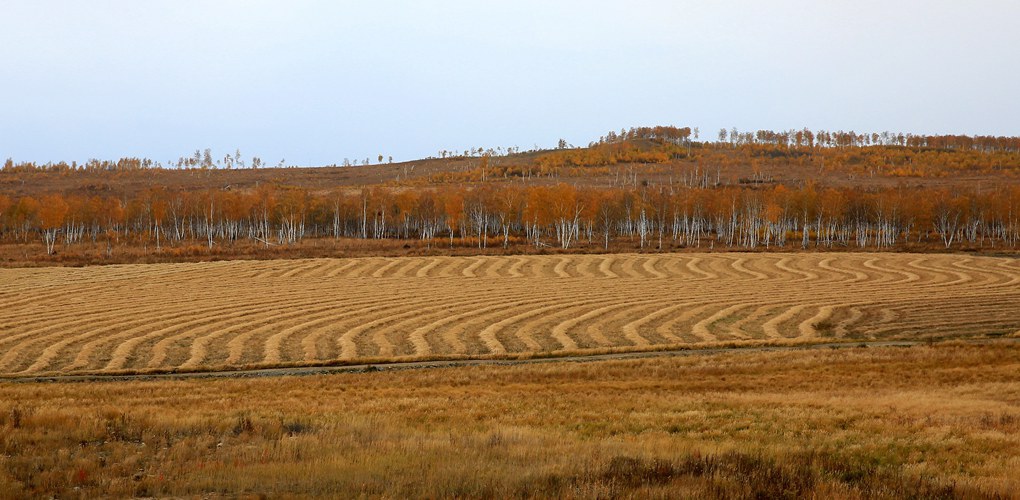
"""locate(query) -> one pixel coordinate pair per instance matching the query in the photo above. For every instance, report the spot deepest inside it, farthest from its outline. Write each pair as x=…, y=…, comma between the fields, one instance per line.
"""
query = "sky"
x=313, y=82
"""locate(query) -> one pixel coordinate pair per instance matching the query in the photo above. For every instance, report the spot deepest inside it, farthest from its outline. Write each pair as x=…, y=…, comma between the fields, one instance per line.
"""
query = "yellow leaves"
x=52, y=211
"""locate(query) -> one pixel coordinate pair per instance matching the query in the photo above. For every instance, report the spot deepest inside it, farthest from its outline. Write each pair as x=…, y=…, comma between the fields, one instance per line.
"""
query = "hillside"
x=648, y=188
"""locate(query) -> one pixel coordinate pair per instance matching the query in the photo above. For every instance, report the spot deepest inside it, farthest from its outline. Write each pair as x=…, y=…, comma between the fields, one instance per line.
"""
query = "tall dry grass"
x=940, y=421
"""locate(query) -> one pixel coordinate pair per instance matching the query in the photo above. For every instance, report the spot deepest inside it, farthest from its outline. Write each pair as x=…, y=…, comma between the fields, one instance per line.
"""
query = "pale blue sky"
x=317, y=81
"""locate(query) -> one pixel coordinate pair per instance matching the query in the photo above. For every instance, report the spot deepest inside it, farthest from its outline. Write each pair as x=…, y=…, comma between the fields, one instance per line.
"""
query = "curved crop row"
x=220, y=314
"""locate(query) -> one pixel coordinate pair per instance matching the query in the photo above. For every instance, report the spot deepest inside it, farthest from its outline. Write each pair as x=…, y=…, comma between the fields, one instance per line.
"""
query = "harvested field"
x=249, y=314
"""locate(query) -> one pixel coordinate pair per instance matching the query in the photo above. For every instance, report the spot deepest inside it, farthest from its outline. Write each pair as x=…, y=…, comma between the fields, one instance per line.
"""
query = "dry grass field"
x=202, y=316
x=938, y=421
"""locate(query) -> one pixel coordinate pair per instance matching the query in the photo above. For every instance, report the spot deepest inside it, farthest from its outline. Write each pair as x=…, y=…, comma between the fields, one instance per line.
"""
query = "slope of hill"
x=651, y=188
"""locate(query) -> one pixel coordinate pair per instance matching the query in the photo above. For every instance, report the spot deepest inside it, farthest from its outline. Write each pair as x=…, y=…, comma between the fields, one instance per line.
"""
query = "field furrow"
x=231, y=314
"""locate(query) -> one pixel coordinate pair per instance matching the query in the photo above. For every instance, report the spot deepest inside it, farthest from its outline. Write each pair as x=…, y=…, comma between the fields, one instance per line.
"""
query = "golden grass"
x=218, y=315
x=938, y=421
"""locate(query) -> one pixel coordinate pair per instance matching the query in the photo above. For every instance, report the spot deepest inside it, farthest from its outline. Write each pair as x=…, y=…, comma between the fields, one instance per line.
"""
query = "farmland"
x=252, y=314
x=646, y=316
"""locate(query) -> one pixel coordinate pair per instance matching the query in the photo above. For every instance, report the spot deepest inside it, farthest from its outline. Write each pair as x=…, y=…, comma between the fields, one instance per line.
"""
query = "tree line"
x=560, y=215
x=626, y=146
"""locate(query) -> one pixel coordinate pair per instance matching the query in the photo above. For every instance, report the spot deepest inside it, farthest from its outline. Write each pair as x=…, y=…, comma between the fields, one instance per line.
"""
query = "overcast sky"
x=317, y=81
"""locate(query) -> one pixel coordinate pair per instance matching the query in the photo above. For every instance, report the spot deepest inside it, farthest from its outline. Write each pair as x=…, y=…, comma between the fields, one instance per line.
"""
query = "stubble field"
x=218, y=315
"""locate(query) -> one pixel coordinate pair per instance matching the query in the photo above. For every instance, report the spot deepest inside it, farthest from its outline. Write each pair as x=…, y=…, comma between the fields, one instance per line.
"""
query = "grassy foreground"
x=929, y=421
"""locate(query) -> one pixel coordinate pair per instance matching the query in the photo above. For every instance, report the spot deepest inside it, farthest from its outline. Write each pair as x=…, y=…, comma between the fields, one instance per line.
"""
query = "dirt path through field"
x=424, y=365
